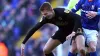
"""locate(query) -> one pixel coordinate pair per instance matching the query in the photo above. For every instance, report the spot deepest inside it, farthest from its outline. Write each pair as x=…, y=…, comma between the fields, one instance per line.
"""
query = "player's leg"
x=91, y=41
x=92, y=47
x=80, y=41
x=50, y=45
x=53, y=42
x=79, y=44
x=73, y=50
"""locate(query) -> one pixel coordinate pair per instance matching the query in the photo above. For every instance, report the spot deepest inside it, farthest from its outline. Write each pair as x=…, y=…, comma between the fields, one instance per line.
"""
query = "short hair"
x=45, y=5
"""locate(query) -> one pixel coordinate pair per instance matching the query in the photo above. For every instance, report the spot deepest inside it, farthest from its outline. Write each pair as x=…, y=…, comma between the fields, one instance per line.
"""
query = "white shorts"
x=90, y=35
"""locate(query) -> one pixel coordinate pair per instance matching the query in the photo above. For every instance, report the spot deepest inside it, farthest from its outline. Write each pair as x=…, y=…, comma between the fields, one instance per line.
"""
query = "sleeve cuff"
x=98, y=13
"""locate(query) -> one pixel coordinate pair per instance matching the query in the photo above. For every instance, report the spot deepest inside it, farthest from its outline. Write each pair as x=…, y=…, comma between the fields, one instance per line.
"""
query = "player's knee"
x=46, y=50
x=81, y=49
x=82, y=52
x=93, y=48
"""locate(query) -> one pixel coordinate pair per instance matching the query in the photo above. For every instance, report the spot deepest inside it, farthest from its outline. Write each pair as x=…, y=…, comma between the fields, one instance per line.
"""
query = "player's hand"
x=91, y=14
x=22, y=49
x=70, y=35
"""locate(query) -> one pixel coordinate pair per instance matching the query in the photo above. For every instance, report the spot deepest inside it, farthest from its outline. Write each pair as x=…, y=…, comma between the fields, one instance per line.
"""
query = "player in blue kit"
x=90, y=12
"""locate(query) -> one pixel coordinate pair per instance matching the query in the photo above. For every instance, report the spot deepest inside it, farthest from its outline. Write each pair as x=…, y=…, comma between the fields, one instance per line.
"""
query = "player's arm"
x=77, y=6
x=30, y=33
x=77, y=23
x=76, y=18
x=92, y=14
x=33, y=30
x=98, y=12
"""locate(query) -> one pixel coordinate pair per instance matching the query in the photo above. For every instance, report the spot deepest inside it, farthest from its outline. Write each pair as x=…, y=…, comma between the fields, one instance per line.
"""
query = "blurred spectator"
x=16, y=18
x=14, y=3
x=3, y=47
x=65, y=2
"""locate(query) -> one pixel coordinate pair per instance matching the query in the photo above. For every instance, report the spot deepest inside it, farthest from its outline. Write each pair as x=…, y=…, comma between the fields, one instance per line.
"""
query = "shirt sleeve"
x=77, y=22
x=77, y=6
x=98, y=8
x=33, y=30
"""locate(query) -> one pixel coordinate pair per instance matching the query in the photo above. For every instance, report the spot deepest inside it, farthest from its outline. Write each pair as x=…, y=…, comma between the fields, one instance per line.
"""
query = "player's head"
x=47, y=10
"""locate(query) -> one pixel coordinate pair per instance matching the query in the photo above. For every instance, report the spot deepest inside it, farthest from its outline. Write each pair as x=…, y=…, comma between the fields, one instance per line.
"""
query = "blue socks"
x=71, y=54
x=93, y=54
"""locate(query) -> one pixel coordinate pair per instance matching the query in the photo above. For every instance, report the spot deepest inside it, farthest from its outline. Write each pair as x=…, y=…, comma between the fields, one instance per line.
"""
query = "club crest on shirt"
x=60, y=18
x=92, y=7
x=67, y=11
x=82, y=5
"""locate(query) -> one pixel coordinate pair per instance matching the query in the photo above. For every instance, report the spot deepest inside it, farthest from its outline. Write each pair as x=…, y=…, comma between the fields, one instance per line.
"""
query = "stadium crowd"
x=16, y=18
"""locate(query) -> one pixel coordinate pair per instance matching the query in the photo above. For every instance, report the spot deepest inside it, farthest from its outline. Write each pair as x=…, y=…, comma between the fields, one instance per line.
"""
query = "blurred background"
x=17, y=17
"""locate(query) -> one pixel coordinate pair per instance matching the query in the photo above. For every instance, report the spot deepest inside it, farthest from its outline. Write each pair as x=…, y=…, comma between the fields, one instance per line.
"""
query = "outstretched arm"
x=33, y=30
x=30, y=33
